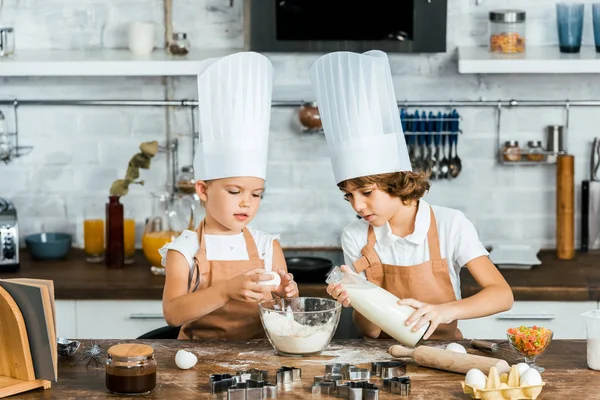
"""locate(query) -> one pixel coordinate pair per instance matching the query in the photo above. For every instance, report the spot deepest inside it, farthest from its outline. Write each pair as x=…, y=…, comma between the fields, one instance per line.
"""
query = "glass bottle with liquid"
x=378, y=306
x=162, y=227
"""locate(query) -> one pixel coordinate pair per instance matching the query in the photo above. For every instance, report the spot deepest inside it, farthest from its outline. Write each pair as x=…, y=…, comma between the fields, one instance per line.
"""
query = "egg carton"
x=503, y=387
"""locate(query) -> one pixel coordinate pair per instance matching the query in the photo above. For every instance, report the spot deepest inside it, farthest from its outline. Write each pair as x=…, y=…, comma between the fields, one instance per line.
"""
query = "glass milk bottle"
x=378, y=306
x=592, y=327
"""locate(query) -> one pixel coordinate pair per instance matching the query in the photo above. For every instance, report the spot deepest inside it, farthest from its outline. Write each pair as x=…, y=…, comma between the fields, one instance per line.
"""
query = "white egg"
x=522, y=367
x=475, y=378
x=276, y=281
x=457, y=348
x=531, y=377
x=185, y=359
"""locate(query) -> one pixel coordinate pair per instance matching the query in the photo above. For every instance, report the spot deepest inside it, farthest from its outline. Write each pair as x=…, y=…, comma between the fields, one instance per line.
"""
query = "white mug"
x=141, y=37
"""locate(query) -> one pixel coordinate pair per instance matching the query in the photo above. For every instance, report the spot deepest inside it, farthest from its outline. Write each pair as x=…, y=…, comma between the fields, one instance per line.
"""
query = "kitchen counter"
x=554, y=280
x=566, y=375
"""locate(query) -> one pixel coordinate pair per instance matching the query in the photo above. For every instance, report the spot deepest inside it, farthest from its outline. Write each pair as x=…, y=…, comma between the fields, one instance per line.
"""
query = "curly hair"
x=406, y=185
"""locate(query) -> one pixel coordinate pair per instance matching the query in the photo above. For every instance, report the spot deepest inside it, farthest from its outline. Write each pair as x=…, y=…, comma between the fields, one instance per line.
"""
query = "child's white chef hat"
x=358, y=108
x=234, y=95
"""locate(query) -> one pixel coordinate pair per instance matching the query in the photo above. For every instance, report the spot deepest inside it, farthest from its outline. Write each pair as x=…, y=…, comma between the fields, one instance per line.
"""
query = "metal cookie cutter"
x=219, y=383
x=361, y=390
x=252, y=374
x=336, y=379
x=349, y=372
x=252, y=390
x=358, y=374
x=398, y=385
x=388, y=369
x=288, y=375
x=324, y=387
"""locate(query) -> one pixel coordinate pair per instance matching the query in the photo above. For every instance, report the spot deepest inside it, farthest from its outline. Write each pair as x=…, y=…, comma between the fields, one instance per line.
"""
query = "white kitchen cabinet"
x=117, y=319
x=562, y=317
x=66, y=323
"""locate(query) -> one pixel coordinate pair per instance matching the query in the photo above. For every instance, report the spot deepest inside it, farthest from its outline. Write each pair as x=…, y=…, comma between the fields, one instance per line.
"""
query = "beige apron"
x=428, y=282
x=236, y=320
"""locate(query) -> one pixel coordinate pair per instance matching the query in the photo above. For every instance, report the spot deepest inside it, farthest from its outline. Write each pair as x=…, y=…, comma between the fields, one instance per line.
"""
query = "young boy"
x=402, y=244
x=216, y=276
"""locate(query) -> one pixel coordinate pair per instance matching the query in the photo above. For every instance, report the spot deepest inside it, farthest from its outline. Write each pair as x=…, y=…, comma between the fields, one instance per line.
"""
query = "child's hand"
x=288, y=287
x=246, y=287
x=336, y=290
x=436, y=314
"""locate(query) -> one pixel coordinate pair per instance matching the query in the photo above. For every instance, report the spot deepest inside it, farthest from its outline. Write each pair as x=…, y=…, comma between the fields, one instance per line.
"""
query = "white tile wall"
x=79, y=151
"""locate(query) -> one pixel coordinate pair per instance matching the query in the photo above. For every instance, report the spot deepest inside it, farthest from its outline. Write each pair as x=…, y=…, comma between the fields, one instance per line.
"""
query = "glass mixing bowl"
x=301, y=326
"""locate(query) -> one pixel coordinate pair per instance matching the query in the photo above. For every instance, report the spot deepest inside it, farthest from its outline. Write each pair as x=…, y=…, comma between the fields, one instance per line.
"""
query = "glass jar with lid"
x=511, y=151
x=180, y=45
x=186, y=183
x=507, y=31
x=535, y=152
x=130, y=369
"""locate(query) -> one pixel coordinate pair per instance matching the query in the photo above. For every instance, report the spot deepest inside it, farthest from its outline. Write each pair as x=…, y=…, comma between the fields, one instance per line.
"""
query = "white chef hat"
x=358, y=108
x=234, y=96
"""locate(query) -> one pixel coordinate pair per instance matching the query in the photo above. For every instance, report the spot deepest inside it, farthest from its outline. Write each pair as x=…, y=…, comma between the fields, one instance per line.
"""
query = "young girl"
x=402, y=244
x=216, y=276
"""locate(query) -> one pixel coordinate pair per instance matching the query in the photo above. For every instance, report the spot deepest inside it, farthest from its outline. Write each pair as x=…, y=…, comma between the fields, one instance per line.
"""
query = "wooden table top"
x=75, y=279
x=566, y=375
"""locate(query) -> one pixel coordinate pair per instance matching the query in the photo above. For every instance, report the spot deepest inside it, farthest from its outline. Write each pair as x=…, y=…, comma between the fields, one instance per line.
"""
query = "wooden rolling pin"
x=447, y=360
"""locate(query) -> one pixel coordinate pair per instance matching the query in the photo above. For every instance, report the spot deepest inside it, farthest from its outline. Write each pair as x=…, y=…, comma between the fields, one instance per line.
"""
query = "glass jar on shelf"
x=180, y=46
x=507, y=31
x=186, y=183
x=7, y=41
x=511, y=151
x=535, y=152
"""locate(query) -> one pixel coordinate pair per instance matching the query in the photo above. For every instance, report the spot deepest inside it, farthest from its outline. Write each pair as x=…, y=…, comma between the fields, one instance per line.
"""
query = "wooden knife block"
x=16, y=366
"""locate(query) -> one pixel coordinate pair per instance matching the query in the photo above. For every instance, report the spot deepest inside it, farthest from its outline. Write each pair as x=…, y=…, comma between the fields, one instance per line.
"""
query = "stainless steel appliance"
x=9, y=237
x=407, y=26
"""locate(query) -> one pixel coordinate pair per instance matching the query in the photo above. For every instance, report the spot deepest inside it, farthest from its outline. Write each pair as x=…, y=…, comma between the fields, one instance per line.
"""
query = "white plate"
x=515, y=256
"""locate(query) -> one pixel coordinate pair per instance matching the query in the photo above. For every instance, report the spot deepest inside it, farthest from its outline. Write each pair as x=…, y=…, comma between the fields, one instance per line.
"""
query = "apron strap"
x=370, y=261
x=251, y=247
x=433, y=239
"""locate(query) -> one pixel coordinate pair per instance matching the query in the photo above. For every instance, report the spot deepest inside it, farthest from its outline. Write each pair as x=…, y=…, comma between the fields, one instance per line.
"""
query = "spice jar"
x=180, y=45
x=511, y=151
x=507, y=31
x=310, y=118
x=7, y=41
x=130, y=369
x=186, y=184
x=535, y=152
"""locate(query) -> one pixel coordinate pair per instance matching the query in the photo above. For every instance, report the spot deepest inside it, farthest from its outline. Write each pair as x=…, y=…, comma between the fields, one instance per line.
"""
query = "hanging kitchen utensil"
x=445, y=163
x=455, y=162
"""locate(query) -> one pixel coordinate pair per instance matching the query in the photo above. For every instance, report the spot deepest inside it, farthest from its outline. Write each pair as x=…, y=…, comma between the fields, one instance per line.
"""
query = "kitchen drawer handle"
x=146, y=316
x=544, y=317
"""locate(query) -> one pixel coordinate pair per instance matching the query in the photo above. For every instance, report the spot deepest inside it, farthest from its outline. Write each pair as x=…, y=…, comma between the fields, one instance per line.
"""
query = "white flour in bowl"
x=290, y=336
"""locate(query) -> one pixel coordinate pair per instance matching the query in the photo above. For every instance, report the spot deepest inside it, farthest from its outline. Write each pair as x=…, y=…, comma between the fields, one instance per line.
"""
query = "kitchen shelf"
x=535, y=60
x=105, y=62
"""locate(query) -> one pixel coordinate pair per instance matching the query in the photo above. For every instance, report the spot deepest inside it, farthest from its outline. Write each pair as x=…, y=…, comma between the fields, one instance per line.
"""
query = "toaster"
x=9, y=237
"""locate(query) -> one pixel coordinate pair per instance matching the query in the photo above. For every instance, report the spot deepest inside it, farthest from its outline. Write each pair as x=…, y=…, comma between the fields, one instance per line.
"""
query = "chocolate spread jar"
x=130, y=369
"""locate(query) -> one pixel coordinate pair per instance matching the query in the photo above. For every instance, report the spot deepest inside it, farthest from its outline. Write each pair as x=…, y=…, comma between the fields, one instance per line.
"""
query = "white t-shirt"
x=459, y=241
x=221, y=247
